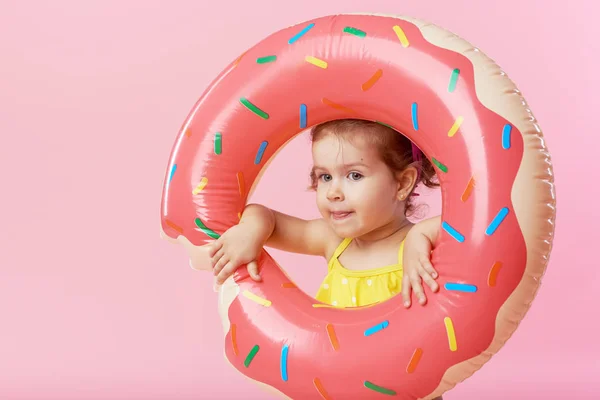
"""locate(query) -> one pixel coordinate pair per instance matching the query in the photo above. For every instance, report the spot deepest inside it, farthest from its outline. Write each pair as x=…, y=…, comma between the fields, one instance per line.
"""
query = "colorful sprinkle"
x=303, y=115
x=401, y=36
x=234, y=339
x=173, y=169
x=288, y=285
x=200, y=186
x=316, y=61
x=267, y=59
x=460, y=287
x=376, y=328
x=257, y=299
x=253, y=108
x=354, y=31
x=453, y=232
x=453, y=80
x=323, y=305
x=468, y=190
x=251, y=355
x=441, y=166
x=379, y=389
x=415, y=120
x=450, y=333
x=188, y=132
x=497, y=221
x=261, y=151
x=241, y=184
x=332, y=337
x=372, y=80
x=206, y=230
x=301, y=33
x=506, y=136
x=236, y=62
x=414, y=360
x=321, y=389
x=384, y=124
x=455, y=126
x=337, y=106
x=218, y=143
x=283, y=363
x=174, y=226
x=493, y=276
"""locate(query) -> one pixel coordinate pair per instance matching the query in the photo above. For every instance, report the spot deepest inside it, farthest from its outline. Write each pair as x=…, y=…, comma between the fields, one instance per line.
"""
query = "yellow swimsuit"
x=349, y=288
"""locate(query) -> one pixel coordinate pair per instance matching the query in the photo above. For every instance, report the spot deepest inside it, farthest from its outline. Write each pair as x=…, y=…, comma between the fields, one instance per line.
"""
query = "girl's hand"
x=239, y=245
x=417, y=265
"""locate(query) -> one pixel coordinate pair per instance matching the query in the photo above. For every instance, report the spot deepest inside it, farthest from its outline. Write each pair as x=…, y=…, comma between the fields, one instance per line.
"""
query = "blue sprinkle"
x=173, y=168
x=261, y=150
x=374, y=329
x=506, y=136
x=453, y=232
x=497, y=221
x=301, y=33
x=283, y=365
x=461, y=287
x=302, y=115
x=415, y=120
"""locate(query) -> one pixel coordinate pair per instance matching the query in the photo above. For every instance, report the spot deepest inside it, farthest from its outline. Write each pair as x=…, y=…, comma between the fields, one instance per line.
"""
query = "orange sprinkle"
x=494, y=274
x=188, y=132
x=234, y=339
x=414, y=360
x=337, y=106
x=174, y=226
x=288, y=285
x=369, y=84
x=236, y=62
x=241, y=184
x=321, y=389
x=467, y=193
x=332, y=338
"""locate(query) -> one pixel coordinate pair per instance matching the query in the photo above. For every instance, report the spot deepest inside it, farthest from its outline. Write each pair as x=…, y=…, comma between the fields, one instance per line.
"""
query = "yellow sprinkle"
x=257, y=299
x=316, y=61
x=450, y=332
x=239, y=216
x=401, y=36
x=200, y=186
x=455, y=127
x=319, y=305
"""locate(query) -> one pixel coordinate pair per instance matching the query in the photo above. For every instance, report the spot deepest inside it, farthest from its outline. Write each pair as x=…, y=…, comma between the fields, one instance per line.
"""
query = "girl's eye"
x=325, y=177
x=355, y=176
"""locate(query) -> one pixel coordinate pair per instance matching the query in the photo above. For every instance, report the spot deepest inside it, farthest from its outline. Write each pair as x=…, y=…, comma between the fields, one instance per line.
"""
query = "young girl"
x=364, y=174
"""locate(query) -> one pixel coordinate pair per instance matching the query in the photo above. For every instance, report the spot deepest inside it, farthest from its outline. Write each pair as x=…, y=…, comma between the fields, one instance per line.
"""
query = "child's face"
x=356, y=191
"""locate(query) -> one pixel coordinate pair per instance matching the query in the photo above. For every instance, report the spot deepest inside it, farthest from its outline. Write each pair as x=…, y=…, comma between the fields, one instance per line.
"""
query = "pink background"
x=94, y=305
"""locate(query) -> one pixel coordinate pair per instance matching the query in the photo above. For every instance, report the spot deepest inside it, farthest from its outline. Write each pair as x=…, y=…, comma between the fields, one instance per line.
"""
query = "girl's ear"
x=407, y=180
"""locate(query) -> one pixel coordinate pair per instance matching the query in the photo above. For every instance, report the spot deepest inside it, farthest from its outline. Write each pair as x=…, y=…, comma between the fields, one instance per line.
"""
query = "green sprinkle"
x=440, y=165
x=354, y=31
x=453, y=80
x=251, y=355
x=384, y=124
x=379, y=389
x=204, y=229
x=218, y=143
x=253, y=108
x=267, y=59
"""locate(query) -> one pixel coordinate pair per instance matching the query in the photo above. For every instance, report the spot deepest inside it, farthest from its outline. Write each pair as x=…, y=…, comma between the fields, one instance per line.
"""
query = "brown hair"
x=396, y=150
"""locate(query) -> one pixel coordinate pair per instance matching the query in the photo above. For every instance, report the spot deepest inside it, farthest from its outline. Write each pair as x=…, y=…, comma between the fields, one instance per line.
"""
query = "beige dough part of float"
x=498, y=203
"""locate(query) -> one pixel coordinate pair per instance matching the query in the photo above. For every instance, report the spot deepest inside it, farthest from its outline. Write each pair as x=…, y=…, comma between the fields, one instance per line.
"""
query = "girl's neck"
x=394, y=231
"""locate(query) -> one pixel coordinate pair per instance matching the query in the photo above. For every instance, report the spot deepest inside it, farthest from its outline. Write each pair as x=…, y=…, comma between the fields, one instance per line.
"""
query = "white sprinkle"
x=353, y=299
x=344, y=281
x=369, y=282
x=325, y=286
x=334, y=302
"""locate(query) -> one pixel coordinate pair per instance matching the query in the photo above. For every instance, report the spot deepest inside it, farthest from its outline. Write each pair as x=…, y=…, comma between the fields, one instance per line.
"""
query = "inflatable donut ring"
x=498, y=203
